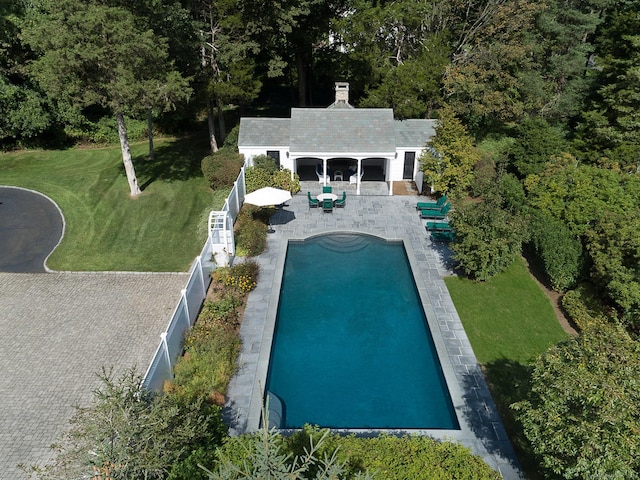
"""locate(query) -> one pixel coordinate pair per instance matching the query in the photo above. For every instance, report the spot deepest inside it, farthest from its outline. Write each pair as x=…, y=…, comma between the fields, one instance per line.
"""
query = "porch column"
x=324, y=170
x=358, y=176
x=387, y=173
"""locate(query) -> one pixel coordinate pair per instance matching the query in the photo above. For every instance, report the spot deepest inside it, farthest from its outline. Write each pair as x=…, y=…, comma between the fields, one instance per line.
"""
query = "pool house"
x=340, y=142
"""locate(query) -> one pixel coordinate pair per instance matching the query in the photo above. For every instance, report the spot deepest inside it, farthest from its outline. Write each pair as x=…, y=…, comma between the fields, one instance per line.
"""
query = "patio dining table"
x=327, y=196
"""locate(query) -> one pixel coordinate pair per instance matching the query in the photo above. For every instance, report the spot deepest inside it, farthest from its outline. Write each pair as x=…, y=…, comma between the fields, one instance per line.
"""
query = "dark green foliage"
x=583, y=410
x=584, y=307
x=250, y=231
x=266, y=163
x=383, y=457
x=610, y=123
x=557, y=250
x=389, y=457
x=222, y=168
x=264, y=455
x=488, y=238
x=536, y=143
x=131, y=433
x=255, y=178
x=614, y=247
x=231, y=140
x=265, y=173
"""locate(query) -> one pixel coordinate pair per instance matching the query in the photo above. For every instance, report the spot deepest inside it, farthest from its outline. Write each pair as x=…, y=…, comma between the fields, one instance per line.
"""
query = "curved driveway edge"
x=31, y=227
x=57, y=331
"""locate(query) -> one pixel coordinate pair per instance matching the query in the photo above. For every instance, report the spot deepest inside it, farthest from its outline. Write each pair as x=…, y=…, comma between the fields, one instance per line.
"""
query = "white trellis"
x=221, y=234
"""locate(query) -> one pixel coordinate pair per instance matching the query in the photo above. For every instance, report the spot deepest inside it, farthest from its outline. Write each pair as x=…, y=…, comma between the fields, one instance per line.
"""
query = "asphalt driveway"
x=31, y=226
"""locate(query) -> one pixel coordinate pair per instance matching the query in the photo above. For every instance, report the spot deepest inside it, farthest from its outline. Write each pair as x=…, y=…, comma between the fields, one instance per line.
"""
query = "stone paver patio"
x=389, y=217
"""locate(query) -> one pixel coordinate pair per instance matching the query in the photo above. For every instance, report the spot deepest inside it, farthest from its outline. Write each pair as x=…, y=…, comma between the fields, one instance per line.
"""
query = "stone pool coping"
x=391, y=218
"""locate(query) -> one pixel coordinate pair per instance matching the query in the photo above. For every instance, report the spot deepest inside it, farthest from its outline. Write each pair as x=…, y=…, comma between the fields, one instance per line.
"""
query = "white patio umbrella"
x=268, y=196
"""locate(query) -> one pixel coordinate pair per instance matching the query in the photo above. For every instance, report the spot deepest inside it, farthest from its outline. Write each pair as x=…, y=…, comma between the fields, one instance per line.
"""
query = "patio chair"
x=432, y=205
x=354, y=178
x=320, y=174
x=313, y=202
x=326, y=189
x=438, y=227
x=442, y=213
x=327, y=205
x=443, y=235
x=341, y=202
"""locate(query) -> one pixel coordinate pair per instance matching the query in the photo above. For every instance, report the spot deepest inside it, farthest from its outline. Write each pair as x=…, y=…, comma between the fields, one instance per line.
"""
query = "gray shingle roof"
x=264, y=132
x=414, y=133
x=336, y=130
x=342, y=130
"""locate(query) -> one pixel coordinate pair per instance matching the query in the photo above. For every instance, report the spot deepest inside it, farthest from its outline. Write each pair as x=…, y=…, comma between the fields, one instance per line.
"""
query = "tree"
x=25, y=113
x=494, y=75
x=488, y=238
x=448, y=160
x=403, y=51
x=583, y=410
x=95, y=54
x=611, y=123
x=226, y=63
x=129, y=432
x=536, y=143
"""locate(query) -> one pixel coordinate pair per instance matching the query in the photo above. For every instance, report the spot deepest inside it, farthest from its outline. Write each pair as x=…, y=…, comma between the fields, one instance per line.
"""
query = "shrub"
x=222, y=168
x=389, y=457
x=231, y=140
x=282, y=179
x=582, y=413
x=557, y=250
x=256, y=178
x=584, y=307
x=266, y=163
x=250, y=232
x=129, y=432
x=208, y=364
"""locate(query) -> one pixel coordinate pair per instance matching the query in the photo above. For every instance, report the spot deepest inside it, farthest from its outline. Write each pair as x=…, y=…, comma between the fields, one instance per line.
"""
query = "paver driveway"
x=56, y=331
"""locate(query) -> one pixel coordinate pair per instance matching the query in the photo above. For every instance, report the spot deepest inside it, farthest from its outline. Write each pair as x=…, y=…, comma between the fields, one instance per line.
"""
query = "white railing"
x=191, y=299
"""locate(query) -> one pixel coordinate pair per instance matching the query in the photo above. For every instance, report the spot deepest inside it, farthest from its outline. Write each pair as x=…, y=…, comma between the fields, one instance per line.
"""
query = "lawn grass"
x=163, y=229
x=509, y=321
x=507, y=317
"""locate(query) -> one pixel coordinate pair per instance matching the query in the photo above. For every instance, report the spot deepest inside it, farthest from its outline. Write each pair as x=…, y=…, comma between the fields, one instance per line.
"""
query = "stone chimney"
x=342, y=92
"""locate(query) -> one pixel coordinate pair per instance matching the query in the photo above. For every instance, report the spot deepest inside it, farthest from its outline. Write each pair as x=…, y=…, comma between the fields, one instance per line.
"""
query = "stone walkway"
x=390, y=217
x=57, y=331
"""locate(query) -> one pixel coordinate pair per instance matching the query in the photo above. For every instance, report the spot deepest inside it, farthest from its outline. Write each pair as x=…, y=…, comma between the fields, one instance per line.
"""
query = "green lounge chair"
x=341, y=202
x=443, y=235
x=327, y=205
x=326, y=189
x=438, y=227
x=432, y=205
x=442, y=213
x=313, y=202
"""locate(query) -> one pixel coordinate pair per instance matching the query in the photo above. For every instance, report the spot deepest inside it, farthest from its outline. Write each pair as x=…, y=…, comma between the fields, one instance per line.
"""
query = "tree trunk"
x=126, y=156
x=212, y=131
x=301, y=68
x=150, y=128
x=221, y=124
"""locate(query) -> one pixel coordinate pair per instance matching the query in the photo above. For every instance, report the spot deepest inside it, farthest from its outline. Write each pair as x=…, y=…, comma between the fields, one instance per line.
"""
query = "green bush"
x=208, y=364
x=584, y=307
x=266, y=163
x=388, y=457
x=256, y=178
x=282, y=179
x=222, y=168
x=557, y=250
x=231, y=140
x=250, y=231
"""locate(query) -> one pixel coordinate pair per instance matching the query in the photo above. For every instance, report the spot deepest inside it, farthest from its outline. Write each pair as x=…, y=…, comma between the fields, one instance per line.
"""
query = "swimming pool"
x=352, y=347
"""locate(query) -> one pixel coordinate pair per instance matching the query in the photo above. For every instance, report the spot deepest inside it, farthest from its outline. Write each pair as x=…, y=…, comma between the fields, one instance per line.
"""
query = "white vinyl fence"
x=192, y=297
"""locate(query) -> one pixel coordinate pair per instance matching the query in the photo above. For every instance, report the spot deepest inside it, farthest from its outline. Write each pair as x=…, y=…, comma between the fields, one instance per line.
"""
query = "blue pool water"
x=352, y=347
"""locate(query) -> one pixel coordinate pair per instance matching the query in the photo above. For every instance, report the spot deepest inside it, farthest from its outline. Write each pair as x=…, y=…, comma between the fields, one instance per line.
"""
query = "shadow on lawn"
x=509, y=382
x=178, y=160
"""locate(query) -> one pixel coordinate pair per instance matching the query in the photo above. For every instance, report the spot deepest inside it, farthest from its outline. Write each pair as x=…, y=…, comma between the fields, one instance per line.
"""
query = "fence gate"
x=221, y=234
